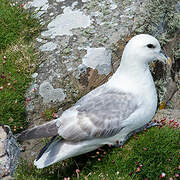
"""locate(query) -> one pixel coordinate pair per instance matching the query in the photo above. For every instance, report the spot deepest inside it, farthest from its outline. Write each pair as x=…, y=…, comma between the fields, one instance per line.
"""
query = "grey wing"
x=99, y=116
x=97, y=91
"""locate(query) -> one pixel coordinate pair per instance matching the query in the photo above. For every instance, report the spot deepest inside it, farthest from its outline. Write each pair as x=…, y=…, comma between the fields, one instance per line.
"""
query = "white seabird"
x=109, y=113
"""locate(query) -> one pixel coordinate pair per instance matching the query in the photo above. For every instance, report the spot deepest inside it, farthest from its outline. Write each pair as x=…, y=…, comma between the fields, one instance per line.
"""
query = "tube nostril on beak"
x=162, y=52
x=168, y=59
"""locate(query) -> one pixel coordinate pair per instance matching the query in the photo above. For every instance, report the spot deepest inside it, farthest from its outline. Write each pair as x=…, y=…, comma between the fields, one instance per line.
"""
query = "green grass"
x=157, y=150
x=15, y=23
x=17, y=57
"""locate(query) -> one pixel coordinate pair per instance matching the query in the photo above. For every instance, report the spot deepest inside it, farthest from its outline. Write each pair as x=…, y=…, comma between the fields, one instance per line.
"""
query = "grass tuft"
x=18, y=60
x=16, y=22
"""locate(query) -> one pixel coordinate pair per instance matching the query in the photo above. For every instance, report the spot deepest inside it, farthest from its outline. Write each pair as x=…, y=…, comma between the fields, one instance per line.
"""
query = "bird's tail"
x=61, y=149
x=48, y=129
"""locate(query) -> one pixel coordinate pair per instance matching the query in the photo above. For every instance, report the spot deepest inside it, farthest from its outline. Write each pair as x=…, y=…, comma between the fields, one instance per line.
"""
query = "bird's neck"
x=136, y=77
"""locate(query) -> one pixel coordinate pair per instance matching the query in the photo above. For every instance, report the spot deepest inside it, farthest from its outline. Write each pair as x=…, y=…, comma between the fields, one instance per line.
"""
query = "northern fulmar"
x=109, y=113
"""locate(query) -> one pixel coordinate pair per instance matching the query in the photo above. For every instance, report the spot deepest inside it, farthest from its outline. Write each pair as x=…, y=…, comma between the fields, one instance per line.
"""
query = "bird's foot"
x=151, y=124
x=147, y=126
x=143, y=128
x=120, y=143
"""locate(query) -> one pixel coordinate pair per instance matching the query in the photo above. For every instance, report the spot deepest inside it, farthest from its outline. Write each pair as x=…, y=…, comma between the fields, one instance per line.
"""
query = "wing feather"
x=98, y=115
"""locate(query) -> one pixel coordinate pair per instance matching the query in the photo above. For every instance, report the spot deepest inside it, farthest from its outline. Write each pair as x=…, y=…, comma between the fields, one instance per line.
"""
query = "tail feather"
x=45, y=147
x=61, y=149
x=46, y=130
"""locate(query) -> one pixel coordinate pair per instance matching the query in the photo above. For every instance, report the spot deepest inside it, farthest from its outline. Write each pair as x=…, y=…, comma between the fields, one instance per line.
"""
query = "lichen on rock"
x=9, y=152
x=50, y=94
x=98, y=58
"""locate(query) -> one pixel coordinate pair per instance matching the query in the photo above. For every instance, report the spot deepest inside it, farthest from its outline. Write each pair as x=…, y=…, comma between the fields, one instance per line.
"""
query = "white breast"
x=138, y=82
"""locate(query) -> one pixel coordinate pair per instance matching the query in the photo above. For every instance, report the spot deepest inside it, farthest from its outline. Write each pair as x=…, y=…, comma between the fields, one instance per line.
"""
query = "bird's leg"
x=146, y=126
x=152, y=124
x=120, y=143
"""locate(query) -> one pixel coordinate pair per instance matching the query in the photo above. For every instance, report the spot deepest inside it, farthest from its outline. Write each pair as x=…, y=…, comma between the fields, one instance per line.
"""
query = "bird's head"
x=145, y=48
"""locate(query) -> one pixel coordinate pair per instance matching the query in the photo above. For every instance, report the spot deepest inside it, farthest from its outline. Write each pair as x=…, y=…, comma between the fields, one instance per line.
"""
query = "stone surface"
x=2, y=140
x=50, y=94
x=9, y=152
x=64, y=23
x=98, y=58
x=40, y=6
x=49, y=46
x=174, y=102
x=169, y=114
x=82, y=44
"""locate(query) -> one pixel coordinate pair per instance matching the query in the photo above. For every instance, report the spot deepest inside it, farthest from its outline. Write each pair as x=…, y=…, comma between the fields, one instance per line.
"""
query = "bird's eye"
x=151, y=46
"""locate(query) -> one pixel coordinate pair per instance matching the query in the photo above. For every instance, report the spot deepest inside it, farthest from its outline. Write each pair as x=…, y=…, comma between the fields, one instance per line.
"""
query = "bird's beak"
x=164, y=58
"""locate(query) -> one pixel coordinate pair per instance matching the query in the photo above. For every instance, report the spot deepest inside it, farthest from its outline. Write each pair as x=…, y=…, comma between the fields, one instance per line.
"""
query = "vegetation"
x=17, y=61
x=16, y=23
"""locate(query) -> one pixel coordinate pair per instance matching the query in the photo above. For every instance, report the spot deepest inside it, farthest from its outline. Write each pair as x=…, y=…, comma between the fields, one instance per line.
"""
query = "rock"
x=169, y=114
x=34, y=75
x=9, y=152
x=40, y=6
x=50, y=94
x=64, y=23
x=174, y=103
x=49, y=46
x=98, y=58
x=171, y=89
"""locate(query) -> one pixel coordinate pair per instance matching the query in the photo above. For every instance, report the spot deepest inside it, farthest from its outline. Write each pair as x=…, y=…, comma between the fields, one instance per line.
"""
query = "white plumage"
x=109, y=113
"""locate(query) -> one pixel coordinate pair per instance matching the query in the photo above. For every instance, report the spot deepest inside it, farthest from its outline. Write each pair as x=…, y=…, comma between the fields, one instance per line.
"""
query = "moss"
x=49, y=114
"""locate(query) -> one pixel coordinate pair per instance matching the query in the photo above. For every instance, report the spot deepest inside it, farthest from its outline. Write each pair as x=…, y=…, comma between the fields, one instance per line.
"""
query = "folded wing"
x=97, y=116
